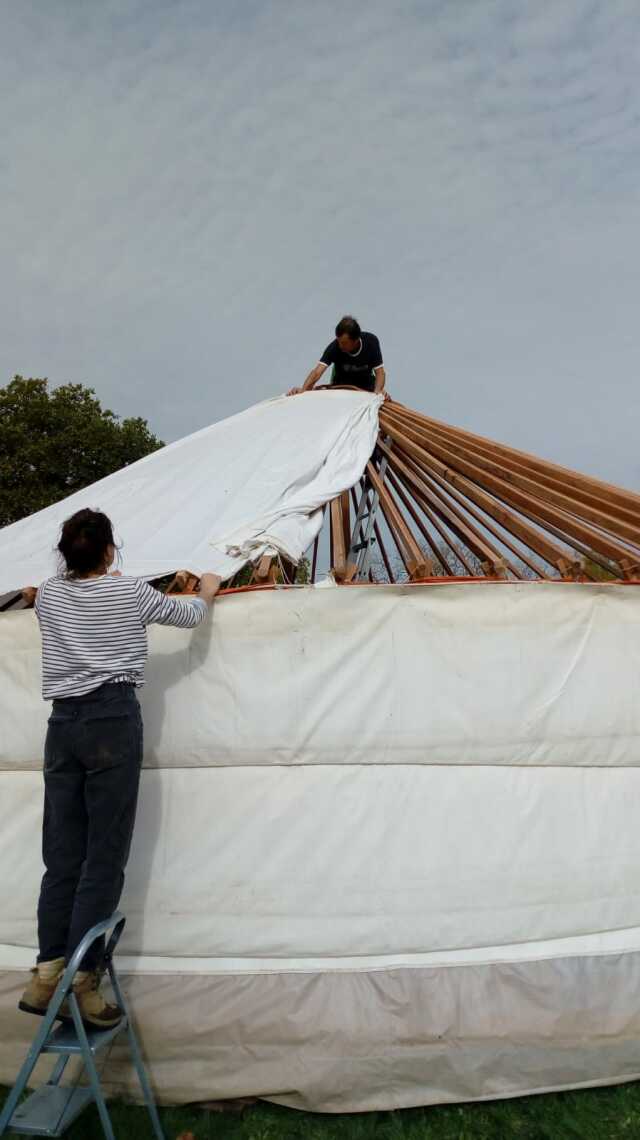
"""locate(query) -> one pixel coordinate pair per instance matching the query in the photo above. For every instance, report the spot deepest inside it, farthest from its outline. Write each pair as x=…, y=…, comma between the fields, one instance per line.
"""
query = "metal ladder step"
x=356, y=546
x=65, y=1040
x=50, y=1110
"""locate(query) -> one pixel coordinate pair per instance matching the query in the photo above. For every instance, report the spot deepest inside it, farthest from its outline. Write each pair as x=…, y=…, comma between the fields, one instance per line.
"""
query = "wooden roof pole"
x=590, y=551
x=414, y=469
x=416, y=563
x=565, y=561
x=529, y=505
x=438, y=526
x=395, y=539
x=408, y=505
x=515, y=525
x=491, y=560
x=343, y=571
x=573, y=502
x=574, y=486
x=504, y=538
x=383, y=551
x=449, y=493
x=266, y=570
x=453, y=451
x=619, y=495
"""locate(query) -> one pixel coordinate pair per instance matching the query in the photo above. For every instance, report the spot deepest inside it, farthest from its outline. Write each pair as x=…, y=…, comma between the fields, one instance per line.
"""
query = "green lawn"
x=593, y=1114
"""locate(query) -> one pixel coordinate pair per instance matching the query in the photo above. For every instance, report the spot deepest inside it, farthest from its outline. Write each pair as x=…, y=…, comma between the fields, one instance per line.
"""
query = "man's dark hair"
x=84, y=541
x=348, y=326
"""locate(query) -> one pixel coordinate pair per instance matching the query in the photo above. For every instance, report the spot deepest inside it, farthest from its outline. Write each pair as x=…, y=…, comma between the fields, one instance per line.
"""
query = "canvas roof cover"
x=252, y=484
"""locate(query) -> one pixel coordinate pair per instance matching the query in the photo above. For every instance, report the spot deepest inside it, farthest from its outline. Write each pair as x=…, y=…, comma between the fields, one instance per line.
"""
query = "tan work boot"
x=94, y=1010
x=44, y=979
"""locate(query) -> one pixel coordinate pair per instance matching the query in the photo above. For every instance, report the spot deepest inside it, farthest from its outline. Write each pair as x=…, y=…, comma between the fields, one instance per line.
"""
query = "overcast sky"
x=193, y=192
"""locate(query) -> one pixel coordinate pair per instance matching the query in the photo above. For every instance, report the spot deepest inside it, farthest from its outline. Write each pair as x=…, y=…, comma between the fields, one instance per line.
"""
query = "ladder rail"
x=90, y=1066
x=134, y=1046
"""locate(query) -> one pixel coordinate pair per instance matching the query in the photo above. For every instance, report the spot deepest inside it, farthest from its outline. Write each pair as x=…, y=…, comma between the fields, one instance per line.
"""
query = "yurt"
x=387, y=844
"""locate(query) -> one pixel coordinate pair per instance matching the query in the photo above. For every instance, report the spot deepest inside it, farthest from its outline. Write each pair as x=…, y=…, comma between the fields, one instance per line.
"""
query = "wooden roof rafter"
x=448, y=497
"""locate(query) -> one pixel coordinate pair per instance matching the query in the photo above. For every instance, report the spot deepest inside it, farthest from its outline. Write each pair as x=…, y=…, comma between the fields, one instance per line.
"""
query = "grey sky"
x=192, y=192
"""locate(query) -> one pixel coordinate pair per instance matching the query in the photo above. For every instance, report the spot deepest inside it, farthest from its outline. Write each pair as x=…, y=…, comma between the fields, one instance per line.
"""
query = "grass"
x=592, y=1114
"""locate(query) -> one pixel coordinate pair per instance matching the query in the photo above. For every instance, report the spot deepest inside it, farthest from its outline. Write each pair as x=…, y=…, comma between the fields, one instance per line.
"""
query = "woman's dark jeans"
x=92, y=761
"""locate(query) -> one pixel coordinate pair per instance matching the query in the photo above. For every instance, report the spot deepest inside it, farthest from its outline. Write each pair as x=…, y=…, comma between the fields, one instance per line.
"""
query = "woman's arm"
x=185, y=613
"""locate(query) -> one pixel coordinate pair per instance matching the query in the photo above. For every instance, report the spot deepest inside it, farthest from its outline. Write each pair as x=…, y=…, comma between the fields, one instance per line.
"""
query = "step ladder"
x=362, y=538
x=53, y=1107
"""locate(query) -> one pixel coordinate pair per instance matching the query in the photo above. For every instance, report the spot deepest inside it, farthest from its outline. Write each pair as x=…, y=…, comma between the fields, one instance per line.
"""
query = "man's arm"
x=380, y=376
x=310, y=381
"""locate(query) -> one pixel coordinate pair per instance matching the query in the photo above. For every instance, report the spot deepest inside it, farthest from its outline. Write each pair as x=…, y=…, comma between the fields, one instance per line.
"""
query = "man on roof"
x=356, y=358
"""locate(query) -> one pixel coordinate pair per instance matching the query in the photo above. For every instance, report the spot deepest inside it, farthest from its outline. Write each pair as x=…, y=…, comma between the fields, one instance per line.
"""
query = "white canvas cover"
x=252, y=484
x=387, y=847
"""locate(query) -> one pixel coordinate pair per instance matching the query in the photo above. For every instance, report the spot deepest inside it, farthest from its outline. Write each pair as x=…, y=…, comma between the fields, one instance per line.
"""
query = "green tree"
x=53, y=443
x=302, y=575
x=596, y=570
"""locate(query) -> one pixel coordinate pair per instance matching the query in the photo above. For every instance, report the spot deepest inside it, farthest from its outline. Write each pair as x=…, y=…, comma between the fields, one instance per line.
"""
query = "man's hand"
x=380, y=380
x=311, y=379
x=209, y=586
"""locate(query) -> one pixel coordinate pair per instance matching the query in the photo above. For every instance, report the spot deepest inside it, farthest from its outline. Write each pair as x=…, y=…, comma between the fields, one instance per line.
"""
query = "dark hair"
x=348, y=326
x=84, y=541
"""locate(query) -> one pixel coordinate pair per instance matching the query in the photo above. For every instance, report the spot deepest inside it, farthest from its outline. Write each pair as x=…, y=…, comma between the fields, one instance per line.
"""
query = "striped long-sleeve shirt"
x=94, y=630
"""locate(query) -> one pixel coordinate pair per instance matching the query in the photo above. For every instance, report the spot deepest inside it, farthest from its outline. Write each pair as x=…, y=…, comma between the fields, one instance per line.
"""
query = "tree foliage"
x=302, y=574
x=53, y=443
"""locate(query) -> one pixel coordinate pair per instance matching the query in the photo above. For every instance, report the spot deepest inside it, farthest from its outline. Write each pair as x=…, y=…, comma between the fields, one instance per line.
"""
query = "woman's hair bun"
x=84, y=542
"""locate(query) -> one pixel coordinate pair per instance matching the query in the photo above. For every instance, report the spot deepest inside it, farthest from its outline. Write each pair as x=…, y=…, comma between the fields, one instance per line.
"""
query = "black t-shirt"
x=354, y=367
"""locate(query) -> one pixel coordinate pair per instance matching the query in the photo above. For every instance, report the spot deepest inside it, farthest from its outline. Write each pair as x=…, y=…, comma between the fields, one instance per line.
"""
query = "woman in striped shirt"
x=94, y=648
